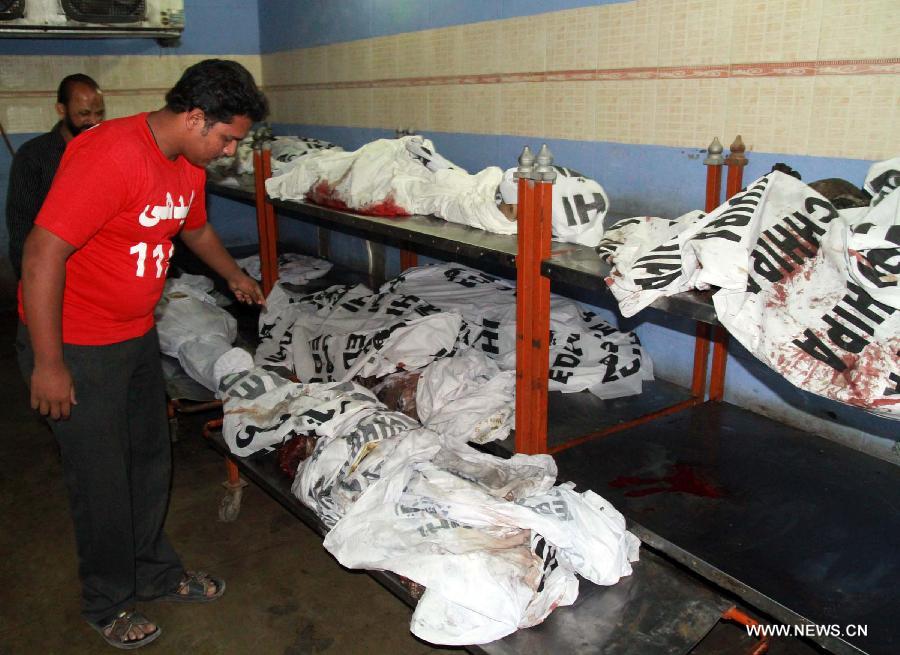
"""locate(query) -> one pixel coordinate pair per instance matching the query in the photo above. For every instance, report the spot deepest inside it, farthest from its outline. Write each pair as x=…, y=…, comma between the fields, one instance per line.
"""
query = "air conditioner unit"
x=162, y=19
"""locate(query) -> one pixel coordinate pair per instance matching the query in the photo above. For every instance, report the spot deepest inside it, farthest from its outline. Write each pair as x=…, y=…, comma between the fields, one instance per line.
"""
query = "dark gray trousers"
x=117, y=463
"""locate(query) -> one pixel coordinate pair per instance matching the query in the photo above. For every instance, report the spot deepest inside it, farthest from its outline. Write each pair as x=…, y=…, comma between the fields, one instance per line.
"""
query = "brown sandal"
x=197, y=584
x=115, y=632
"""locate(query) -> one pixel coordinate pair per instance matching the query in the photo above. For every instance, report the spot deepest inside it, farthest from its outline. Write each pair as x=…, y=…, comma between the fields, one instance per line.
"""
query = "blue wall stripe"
x=285, y=25
x=211, y=27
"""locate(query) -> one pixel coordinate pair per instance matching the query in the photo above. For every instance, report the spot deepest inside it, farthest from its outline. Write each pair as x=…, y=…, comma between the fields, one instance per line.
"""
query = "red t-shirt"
x=119, y=201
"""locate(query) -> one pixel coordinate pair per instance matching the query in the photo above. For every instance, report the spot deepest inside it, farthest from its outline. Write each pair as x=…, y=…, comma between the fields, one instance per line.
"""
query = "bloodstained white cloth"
x=873, y=245
x=809, y=290
x=649, y=259
x=494, y=556
x=395, y=177
x=497, y=545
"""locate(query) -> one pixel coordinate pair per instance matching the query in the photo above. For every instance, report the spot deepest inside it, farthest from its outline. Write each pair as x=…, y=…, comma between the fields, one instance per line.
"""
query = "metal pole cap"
x=544, y=165
x=737, y=157
x=526, y=164
x=714, y=153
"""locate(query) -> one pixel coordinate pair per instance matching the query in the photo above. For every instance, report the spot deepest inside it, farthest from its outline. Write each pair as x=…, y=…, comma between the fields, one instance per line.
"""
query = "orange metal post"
x=701, y=357
x=269, y=253
x=713, y=163
x=259, y=178
x=209, y=426
x=408, y=259
x=720, y=358
x=735, y=161
x=540, y=316
x=524, y=328
x=713, y=186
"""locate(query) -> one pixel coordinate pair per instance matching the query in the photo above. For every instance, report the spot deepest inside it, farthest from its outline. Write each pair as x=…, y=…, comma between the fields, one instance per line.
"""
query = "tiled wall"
x=805, y=77
x=304, y=23
x=134, y=72
x=131, y=84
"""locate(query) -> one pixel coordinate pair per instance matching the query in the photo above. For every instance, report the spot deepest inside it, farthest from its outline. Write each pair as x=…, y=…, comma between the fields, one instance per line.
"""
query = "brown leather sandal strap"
x=199, y=581
x=120, y=627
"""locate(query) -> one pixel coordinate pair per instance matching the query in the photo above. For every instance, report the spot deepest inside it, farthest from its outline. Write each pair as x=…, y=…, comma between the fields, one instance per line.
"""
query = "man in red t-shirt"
x=93, y=270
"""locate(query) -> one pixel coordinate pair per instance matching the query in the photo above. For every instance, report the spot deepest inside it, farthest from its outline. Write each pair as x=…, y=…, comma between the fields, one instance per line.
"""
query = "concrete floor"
x=285, y=593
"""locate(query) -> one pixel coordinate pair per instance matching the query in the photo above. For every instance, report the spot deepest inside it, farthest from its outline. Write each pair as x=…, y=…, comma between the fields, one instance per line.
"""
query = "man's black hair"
x=64, y=92
x=222, y=89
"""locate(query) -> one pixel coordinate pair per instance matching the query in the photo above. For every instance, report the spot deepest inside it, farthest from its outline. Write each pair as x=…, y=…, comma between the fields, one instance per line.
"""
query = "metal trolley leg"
x=230, y=505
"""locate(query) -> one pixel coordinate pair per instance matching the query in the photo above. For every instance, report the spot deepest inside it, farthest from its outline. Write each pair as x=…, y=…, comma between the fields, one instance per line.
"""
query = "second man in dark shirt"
x=79, y=103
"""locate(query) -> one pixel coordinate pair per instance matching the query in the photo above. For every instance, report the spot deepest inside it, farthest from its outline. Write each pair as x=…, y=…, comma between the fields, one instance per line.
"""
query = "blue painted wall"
x=288, y=24
x=211, y=27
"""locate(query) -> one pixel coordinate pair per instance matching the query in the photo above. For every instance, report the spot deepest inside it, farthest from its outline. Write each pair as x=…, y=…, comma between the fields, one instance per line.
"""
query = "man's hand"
x=52, y=391
x=245, y=289
x=206, y=245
